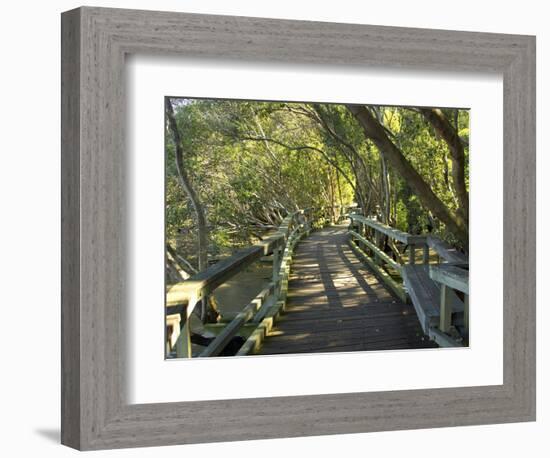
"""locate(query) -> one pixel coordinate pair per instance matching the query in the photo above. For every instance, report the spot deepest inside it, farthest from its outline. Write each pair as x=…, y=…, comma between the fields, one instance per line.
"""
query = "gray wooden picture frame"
x=95, y=413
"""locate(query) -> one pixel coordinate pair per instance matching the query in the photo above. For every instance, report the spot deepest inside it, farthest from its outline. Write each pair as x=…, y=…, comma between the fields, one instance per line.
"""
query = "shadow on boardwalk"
x=337, y=304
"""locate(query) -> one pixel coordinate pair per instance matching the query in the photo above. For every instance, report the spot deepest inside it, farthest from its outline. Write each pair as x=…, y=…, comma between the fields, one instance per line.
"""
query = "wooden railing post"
x=276, y=265
x=365, y=240
x=445, y=309
x=377, y=259
x=363, y=232
x=183, y=297
x=426, y=253
x=451, y=278
x=183, y=344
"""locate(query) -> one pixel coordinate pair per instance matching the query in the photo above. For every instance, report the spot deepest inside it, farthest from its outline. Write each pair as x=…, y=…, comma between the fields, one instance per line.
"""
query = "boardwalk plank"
x=336, y=304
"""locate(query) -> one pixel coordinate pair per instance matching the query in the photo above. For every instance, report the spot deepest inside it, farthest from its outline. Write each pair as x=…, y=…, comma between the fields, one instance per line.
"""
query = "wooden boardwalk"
x=337, y=304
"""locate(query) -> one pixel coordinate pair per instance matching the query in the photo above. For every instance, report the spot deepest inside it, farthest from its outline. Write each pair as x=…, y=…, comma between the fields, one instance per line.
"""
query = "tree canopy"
x=234, y=169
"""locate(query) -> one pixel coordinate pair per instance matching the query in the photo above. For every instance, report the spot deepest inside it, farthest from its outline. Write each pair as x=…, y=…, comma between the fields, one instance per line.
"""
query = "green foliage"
x=253, y=162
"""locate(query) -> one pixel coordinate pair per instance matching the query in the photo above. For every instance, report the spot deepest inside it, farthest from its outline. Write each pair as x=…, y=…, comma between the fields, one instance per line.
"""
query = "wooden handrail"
x=208, y=280
x=182, y=297
x=452, y=276
x=256, y=309
x=381, y=255
x=446, y=251
x=448, y=274
x=391, y=232
x=204, y=283
x=265, y=316
x=223, y=338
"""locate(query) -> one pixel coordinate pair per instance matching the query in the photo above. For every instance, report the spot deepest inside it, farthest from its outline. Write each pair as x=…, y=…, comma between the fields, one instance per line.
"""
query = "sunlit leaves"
x=252, y=162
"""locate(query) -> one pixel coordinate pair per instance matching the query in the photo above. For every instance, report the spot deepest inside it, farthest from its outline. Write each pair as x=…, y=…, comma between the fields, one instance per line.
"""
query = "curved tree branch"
x=302, y=148
x=442, y=125
x=373, y=130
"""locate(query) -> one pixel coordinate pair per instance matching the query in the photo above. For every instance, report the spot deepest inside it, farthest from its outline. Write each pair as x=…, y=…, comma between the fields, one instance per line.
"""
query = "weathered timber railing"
x=432, y=289
x=451, y=277
x=182, y=298
x=363, y=228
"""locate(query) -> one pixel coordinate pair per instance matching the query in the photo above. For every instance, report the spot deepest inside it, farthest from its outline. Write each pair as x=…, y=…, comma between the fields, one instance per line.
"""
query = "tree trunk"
x=386, y=189
x=207, y=313
x=442, y=125
x=182, y=264
x=354, y=157
x=332, y=196
x=339, y=187
x=373, y=130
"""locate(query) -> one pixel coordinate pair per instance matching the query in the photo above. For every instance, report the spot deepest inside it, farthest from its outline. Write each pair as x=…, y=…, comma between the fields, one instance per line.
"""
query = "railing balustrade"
x=367, y=238
x=258, y=316
x=416, y=280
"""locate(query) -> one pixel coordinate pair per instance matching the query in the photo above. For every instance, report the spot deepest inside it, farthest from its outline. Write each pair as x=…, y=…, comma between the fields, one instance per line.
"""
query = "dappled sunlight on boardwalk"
x=336, y=304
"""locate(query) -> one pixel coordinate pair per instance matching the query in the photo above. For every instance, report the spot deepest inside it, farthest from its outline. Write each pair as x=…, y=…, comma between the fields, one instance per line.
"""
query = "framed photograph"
x=278, y=228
